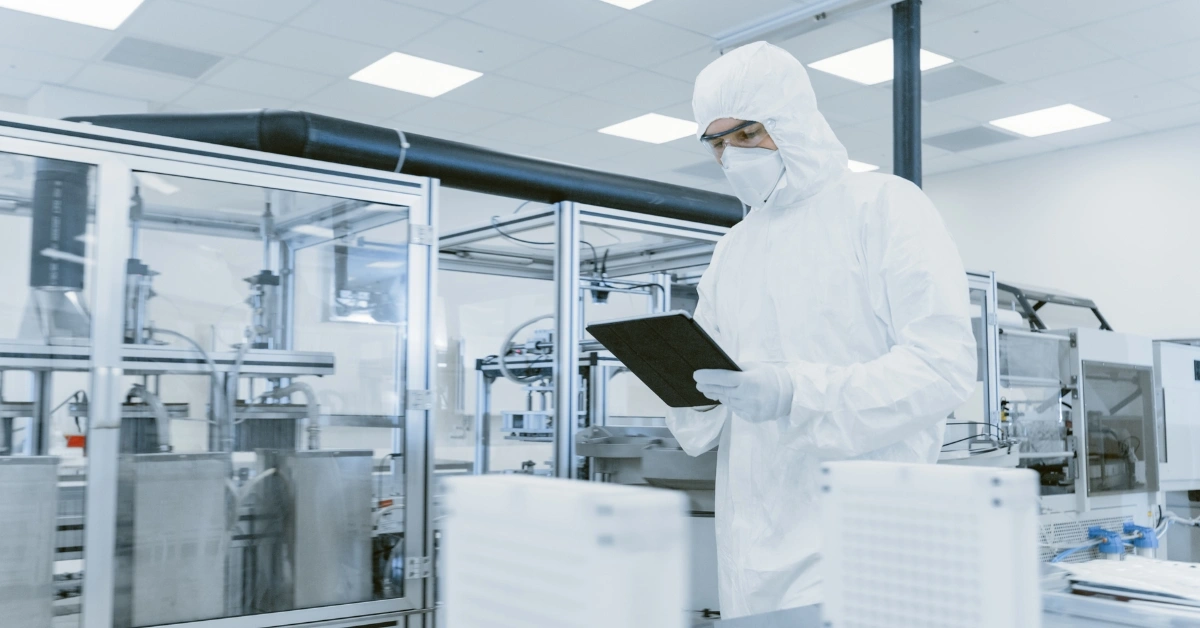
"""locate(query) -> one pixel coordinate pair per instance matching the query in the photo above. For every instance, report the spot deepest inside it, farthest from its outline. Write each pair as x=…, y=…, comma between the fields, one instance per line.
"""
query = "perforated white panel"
x=1072, y=533
x=929, y=546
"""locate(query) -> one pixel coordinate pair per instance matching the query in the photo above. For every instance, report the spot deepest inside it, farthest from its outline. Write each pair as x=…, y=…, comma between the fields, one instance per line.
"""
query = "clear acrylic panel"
x=1035, y=404
x=1119, y=408
x=261, y=463
x=47, y=210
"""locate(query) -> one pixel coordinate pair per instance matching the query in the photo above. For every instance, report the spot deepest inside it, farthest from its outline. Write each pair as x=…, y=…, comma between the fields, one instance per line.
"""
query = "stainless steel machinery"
x=228, y=354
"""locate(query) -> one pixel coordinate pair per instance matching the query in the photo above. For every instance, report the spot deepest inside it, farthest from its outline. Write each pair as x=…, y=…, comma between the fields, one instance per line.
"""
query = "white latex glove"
x=761, y=392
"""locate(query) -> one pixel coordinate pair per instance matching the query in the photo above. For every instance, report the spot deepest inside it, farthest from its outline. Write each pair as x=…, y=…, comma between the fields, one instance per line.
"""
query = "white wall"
x=1117, y=222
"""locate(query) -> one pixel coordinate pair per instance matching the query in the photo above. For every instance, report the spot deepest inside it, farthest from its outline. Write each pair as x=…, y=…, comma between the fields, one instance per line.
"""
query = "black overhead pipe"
x=457, y=165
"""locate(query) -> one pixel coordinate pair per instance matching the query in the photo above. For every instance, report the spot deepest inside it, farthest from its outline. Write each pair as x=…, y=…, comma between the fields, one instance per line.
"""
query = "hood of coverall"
x=766, y=84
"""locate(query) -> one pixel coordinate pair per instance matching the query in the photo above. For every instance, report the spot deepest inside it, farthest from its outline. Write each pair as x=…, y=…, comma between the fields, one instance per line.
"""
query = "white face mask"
x=754, y=173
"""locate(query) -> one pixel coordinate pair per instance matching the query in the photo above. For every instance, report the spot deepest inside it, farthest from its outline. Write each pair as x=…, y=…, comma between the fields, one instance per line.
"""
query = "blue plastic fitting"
x=1112, y=540
x=1146, y=538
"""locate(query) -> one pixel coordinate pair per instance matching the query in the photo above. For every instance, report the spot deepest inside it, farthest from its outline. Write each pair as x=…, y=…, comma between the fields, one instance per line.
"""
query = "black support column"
x=906, y=90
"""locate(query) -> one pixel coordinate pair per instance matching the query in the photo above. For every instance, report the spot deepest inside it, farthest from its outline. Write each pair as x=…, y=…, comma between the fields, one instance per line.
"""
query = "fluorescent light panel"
x=871, y=65
x=107, y=14
x=859, y=166
x=627, y=4
x=1051, y=120
x=415, y=75
x=652, y=127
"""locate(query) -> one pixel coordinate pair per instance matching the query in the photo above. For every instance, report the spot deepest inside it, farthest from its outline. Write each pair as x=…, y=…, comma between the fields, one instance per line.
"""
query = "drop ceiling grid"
x=673, y=41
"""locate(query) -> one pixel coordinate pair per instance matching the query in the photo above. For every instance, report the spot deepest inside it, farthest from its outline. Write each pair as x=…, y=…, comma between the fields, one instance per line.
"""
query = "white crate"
x=526, y=552
x=929, y=546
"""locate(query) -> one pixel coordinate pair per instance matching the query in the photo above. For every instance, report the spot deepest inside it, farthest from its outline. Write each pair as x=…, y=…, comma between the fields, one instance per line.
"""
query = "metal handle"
x=1166, y=457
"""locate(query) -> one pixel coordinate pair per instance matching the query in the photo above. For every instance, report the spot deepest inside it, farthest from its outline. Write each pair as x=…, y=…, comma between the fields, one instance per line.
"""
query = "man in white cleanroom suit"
x=843, y=299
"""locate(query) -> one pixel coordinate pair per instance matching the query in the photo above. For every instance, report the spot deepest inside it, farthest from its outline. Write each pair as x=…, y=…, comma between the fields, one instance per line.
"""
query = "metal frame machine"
x=248, y=336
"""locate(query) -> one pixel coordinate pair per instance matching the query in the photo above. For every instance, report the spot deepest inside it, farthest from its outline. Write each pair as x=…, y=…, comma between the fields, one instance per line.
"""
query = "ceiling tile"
x=196, y=27
x=150, y=55
x=19, y=88
x=585, y=113
x=471, y=46
x=452, y=116
x=1039, y=58
x=370, y=21
x=366, y=100
x=33, y=32
x=967, y=139
x=1167, y=119
x=1091, y=134
x=830, y=40
x=590, y=147
x=272, y=80
x=688, y=66
x=644, y=90
x=1140, y=100
x=279, y=11
x=449, y=7
x=858, y=105
x=565, y=69
x=1094, y=80
x=1072, y=13
x=933, y=11
x=1173, y=61
x=1146, y=29
x=545, y=20
x=528, y=132
x=947, y=163
x=827, y=85
x=989, y=28
x=709, y=17
x=505, y=95
x=638, y=40
x=1008, y=150
x=954, y=80
x=108, y=79
x=992, y=103
x=306, y=50
x=36, y=66
x=209, y=98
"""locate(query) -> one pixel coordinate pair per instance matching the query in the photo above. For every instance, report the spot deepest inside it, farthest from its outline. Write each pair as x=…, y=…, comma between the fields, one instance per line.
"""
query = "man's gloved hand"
x=760, y=392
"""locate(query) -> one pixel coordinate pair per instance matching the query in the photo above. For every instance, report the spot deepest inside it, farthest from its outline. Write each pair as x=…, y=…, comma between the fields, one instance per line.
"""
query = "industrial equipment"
x=229, y=355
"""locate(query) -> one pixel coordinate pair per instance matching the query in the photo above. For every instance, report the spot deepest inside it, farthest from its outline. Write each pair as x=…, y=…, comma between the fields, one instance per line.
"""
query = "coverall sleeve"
x=847, y=411
x=696, y=431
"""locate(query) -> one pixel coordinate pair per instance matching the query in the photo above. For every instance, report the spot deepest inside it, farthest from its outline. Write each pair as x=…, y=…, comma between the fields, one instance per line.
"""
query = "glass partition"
x=47, y=211
x=261, y=465
x=1036, y=407
x=1119, y=406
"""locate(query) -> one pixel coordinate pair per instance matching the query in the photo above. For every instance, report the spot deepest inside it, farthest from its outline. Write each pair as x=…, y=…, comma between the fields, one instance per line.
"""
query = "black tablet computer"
x=664, y=350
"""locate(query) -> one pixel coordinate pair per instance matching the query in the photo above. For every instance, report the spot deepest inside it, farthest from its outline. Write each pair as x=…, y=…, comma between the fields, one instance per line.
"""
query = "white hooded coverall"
x=852, y=283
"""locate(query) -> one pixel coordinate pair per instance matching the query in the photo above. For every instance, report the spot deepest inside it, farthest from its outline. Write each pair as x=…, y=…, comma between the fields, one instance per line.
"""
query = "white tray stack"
x=534, y=552
x=930, y=546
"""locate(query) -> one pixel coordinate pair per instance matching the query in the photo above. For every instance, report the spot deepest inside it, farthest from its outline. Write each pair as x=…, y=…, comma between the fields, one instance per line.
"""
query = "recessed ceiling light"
x=107, y=14
x=871, y=65
x=1051, y=120
x=156, y=183
x=627, y=4
x=859, y=166
x=653, y=128
x=415, y=75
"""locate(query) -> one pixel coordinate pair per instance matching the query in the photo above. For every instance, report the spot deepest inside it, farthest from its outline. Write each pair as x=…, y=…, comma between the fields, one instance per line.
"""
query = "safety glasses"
x=745, y=135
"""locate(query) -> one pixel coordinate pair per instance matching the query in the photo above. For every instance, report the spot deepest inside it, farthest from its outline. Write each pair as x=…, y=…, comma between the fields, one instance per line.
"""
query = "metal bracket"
x=420, y=400
x=421, y=234
x=417, y=567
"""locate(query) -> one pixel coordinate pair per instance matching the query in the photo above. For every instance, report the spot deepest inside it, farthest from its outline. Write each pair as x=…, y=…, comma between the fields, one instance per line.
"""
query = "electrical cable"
x=218, y=394
x=504, y=349
x=1075, y=550
x=509, y=236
